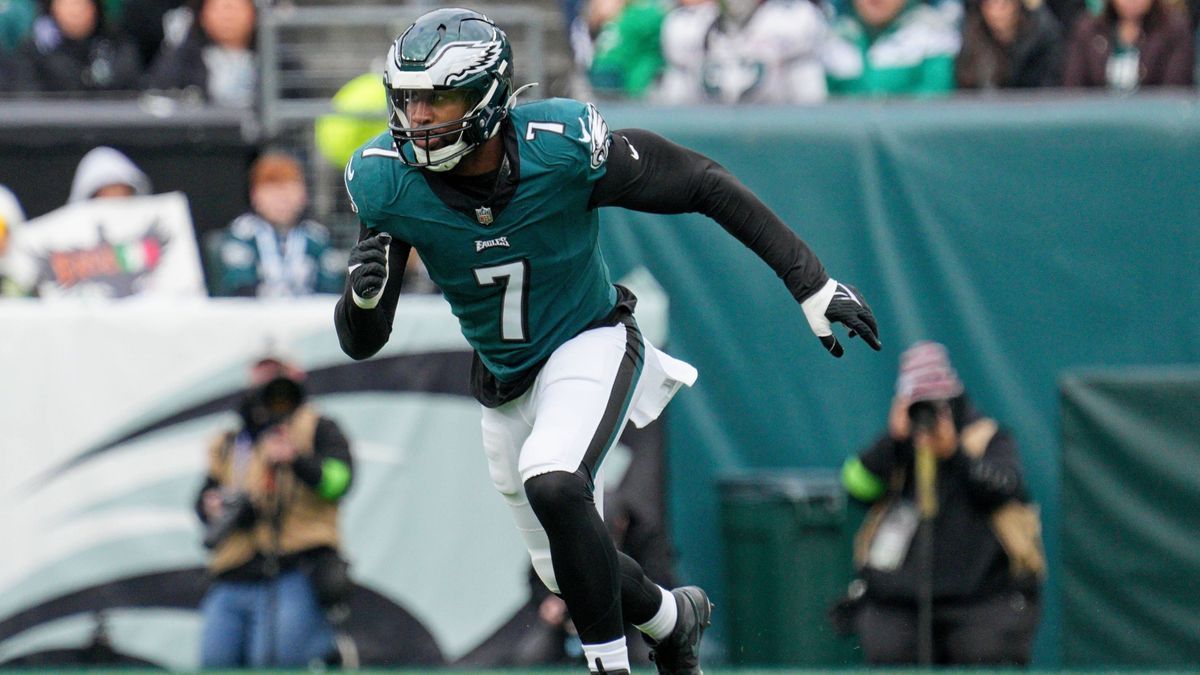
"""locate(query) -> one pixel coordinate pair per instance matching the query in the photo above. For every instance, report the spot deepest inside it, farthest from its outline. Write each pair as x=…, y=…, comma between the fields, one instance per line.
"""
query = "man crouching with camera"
x=270, y=509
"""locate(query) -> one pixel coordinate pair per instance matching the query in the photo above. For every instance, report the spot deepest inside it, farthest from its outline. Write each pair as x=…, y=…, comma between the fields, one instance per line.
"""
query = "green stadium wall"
x=1029, y=236
x=1131, y=511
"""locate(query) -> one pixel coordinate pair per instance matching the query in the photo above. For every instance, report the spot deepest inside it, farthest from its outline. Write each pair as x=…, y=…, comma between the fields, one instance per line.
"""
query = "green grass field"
x=643, y=670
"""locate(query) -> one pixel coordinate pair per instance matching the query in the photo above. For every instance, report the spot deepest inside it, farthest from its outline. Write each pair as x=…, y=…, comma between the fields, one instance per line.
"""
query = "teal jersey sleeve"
x=566, y=134
x=371, y=176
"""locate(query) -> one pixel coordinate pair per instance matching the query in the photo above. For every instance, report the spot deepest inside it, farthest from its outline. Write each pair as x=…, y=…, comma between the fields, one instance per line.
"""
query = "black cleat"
x=679, y=653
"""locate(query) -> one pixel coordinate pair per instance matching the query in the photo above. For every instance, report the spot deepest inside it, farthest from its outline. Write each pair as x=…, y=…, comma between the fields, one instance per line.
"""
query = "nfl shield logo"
x=484, y=215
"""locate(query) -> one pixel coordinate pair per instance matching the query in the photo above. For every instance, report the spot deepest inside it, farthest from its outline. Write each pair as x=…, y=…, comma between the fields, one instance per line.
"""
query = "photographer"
x=972, y=576
x=270, y=507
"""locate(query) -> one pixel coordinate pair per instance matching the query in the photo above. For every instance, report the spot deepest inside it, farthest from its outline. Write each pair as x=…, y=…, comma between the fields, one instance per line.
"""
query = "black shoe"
x=679, y=653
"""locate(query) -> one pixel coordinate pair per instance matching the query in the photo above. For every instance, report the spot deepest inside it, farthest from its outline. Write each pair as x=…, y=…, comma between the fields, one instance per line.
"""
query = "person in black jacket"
x=72, y=49
x=217, y=60
x=1008, y=44
x=986, y=559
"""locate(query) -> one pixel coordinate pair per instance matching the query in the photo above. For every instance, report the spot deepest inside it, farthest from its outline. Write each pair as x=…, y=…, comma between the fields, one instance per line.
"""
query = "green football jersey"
x=528, y=278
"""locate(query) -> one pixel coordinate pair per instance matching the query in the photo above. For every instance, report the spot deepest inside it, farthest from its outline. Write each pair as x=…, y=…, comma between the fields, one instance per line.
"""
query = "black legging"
x=602, y=587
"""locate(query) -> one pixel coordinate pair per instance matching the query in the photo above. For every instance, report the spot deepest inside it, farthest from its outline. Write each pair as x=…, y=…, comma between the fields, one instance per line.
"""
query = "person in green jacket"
x=892, y=47
x=628, y=58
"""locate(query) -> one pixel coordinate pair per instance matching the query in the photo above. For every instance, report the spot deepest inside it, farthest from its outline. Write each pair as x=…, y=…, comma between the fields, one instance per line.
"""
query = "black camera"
x=923, y=414
x=270, y=404
x=237, y=513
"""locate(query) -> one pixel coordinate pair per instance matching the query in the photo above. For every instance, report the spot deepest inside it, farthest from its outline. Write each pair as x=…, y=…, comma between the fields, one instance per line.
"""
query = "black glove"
x=837, y=302
x=368, y=271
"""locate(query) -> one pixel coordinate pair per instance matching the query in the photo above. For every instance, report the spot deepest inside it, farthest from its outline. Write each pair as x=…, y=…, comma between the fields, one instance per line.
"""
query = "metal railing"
x=308, y=53
x=300, y=74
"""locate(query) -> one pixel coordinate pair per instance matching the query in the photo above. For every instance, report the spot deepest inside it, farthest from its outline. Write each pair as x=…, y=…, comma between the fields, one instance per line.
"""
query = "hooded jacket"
x=103, y=166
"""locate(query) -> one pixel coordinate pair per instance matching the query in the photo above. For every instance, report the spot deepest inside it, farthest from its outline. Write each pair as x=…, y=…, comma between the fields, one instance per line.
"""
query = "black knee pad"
x=558, y=494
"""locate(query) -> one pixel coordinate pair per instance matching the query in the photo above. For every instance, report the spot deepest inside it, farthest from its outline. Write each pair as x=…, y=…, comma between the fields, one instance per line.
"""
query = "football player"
x=501, y=203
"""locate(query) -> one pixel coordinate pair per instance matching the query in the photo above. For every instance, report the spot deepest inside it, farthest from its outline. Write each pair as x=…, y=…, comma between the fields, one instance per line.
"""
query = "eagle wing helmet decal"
x=458, y=61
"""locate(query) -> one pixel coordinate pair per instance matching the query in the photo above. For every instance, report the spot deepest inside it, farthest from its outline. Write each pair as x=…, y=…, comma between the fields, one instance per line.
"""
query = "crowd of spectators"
x=684, y=51
x=203, y=49
x=805, y=51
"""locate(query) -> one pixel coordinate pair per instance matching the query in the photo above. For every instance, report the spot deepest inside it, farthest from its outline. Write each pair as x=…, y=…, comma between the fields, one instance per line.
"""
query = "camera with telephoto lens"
x=237, y=513
x=923, y=414
x=269, y=405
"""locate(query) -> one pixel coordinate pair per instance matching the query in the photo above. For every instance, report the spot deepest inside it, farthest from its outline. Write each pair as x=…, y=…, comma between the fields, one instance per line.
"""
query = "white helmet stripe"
x=407, y=79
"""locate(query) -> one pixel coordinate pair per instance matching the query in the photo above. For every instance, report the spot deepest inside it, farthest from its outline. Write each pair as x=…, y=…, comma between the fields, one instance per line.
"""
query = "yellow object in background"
x=360, y=114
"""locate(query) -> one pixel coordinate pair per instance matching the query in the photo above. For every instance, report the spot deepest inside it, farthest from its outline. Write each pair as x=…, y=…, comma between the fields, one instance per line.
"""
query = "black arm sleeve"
x=884, y=455
x=328, y=443
x=363, y=332
x=646, y=172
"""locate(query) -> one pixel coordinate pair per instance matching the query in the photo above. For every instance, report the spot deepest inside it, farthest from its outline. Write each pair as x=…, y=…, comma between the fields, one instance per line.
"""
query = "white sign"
x=110, y=248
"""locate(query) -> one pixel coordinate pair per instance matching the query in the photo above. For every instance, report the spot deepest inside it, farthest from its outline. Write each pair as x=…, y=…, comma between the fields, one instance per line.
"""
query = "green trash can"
x=787, y=559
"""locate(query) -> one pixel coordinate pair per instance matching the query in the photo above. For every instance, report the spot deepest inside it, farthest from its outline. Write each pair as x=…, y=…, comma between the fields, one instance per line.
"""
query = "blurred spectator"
x=272, y=250
x=1129, y=45
x=16, y=19
x=627, y=58
x=951, y=10
x=145, y=22
x=11, y=217
x=1007, y=44
x=890, y=47
x=270, y=508
x=73, y=49
x=106, y=172
x=744, y=51
x=1067, y=11
x=217, y=59
x=984, y=560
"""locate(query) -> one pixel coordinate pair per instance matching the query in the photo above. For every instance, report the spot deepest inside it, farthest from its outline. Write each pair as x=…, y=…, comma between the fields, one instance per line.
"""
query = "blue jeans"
x=263, y=624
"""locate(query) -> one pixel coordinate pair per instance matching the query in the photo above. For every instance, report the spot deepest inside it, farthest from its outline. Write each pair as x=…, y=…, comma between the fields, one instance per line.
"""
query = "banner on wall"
x=105, y=451
x=110, y=248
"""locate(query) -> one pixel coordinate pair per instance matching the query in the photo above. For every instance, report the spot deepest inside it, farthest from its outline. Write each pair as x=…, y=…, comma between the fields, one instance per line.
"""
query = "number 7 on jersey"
x=514, y=304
